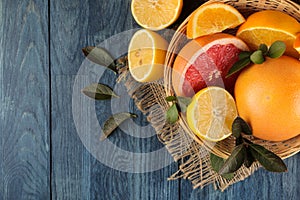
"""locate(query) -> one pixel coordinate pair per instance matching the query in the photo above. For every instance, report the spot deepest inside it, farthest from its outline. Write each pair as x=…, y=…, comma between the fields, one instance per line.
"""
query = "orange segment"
x=156, y=14
x=265, y=27
x=211, y=114
x=146, y=56
x=213, y=18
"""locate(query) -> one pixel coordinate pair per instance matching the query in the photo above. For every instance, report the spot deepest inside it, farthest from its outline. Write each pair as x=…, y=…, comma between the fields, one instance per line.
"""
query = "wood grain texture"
x=76, y=174
x=24, y=118
x=70, y=161
x=261, y=185
x=28, y=91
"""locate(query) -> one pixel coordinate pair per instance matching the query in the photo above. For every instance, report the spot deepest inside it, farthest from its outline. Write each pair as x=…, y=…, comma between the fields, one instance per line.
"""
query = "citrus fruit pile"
x=266, y=96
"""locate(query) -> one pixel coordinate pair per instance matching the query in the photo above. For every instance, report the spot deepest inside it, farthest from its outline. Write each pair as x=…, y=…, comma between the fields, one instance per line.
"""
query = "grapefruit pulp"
x=205, y=62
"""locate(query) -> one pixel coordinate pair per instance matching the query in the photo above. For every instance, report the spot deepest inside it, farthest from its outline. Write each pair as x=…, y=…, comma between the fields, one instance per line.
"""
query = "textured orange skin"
x=268, y=98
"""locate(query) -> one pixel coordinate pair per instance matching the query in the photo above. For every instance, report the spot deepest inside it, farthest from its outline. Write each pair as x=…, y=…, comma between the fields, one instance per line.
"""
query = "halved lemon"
x=211, y=114
x=156, y=14
x=213, y=18
x=146, y=56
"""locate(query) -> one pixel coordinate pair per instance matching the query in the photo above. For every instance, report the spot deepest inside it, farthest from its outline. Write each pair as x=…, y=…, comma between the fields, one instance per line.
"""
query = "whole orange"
x=268, y=98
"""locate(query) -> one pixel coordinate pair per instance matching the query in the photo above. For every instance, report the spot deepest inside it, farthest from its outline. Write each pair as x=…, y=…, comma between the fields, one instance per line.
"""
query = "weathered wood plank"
x=76, y=174
x=24, y=94
x=70, y=161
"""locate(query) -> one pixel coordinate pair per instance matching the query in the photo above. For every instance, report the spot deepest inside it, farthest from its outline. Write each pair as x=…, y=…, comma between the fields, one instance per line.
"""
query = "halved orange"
x=156, y=14
x=213, y=18
x=268, y=26
x=211, y=113
x=296, y=44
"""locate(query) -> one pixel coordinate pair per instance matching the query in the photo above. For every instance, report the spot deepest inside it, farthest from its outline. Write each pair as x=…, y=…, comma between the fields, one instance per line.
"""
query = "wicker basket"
x=283, y=149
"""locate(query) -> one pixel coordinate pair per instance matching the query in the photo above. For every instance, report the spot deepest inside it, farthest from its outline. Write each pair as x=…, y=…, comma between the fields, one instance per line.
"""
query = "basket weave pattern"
x=190, y=151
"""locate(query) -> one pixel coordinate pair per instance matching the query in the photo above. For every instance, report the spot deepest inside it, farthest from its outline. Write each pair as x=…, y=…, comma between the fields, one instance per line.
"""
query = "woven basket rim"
x=284, y=149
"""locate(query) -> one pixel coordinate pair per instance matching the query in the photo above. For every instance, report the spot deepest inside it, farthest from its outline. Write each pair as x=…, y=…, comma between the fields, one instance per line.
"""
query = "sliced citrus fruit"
x=146, y=56
x=156, y=14
x=206, y=61
x=213, y=18
x=266, y=27
x=211, y=113
x=296, y=44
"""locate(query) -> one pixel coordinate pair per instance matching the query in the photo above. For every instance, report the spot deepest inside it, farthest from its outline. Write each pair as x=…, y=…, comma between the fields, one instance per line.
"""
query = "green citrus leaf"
x=216, y=163
x=236, y=128
x=277, y=49
x=184, y=100
x=171, y=98
x=239, y=140
x=239, y=65
x=263, y=48
x=183, y=103
x=113, y=122
x=247, y=141
x=249, y=158
x=228, y=176
x=245, y=126
x=99, y=91
x=235, y=160
x=267, y=159
x=244, y=54
x=257, y=57
x=100, y=56
x=172, y=114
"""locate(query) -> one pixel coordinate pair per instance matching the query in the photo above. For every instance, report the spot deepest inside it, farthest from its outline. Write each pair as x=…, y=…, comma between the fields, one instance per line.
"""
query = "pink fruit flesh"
x=210, y=69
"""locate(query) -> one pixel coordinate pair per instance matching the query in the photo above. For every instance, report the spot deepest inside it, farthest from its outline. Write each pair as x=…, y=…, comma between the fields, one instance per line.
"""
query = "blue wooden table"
x=41, y=153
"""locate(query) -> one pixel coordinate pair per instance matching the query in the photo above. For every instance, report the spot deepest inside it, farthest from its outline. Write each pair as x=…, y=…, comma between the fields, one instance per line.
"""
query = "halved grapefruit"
x=206, y=61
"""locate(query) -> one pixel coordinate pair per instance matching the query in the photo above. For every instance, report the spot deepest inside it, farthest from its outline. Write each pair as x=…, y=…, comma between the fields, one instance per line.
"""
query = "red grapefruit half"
x=205, y=61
